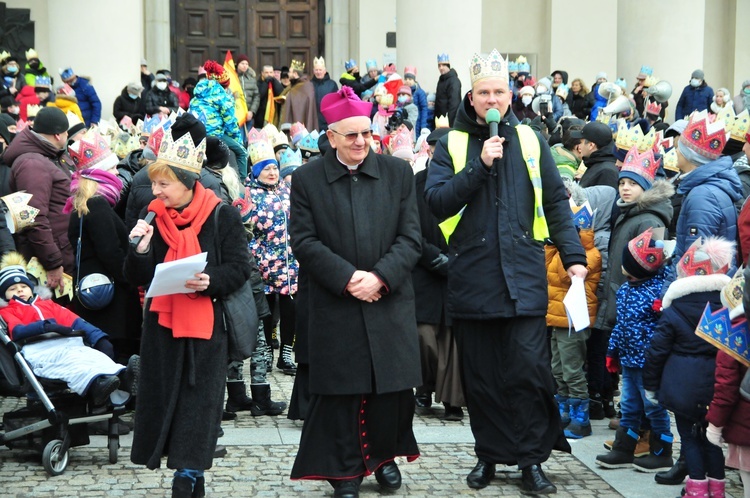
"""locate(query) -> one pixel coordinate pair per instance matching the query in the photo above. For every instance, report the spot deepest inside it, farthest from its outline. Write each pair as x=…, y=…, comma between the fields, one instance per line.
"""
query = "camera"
x=396, y=119
x=544, y=103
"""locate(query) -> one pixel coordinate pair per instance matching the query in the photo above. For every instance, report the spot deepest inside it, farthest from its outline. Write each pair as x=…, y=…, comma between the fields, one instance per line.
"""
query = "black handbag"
x=240, y=314
x=96, y=290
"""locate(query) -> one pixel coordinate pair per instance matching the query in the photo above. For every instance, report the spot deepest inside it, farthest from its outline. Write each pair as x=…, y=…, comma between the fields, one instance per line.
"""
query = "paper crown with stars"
x=718, y=329
x=92, y=151
x=492, y=66
x=583, y=216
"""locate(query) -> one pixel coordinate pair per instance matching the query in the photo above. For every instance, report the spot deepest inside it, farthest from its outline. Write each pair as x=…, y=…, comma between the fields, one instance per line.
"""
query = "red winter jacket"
x=728, y=408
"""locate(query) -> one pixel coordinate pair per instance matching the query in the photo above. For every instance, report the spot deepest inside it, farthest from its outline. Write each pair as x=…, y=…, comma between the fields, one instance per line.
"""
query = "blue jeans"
x=701, y=456
x=633, y=403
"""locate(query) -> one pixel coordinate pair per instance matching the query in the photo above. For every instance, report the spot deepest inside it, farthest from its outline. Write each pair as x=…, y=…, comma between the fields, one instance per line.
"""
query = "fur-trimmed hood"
x=695, y=283
x=661, y=190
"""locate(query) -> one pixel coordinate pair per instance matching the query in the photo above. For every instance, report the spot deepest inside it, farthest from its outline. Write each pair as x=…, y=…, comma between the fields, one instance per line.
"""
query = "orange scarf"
x=187, y=315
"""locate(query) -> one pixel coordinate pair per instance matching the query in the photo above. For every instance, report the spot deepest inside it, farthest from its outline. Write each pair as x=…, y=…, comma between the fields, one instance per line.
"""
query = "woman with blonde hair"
x=577, y=99
x=100, y=241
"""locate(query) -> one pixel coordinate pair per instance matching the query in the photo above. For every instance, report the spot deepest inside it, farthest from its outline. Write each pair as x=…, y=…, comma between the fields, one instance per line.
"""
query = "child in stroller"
x=52, y=341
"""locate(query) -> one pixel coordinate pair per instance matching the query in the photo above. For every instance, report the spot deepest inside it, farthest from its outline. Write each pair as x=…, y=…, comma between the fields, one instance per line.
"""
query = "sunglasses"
x=351, y=137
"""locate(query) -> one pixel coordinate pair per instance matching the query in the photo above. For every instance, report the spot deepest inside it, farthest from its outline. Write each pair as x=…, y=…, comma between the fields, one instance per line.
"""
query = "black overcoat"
x=340, y=223
x=181, y=387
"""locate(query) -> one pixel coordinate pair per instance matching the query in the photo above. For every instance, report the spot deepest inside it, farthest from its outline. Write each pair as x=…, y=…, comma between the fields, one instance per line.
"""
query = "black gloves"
x=440, y=264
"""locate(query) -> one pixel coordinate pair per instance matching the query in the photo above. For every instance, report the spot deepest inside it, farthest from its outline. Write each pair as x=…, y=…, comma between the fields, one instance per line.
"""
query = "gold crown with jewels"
x=492, y=66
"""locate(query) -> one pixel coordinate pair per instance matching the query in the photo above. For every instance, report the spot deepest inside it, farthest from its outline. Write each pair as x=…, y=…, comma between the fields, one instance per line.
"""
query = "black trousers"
x=507, y=379
x=285, y=305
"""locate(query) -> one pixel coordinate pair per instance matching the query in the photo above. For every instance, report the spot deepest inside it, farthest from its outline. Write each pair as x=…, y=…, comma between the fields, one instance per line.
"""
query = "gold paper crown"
x=4, y=55
x=670, y=161
x=319, y=62
x=124, y=144
x=19, y=215
x=739, y=128
x=726, y=114
x=493, y=66
x=31, y=54
x=648, y=141
x=32, y=110
x=182, y=153
x=442, y=121
x=650, y=81
x=298, y=66
x=628, y=137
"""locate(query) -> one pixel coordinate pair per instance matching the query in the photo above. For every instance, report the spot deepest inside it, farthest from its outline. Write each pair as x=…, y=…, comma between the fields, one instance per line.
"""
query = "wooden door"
x=269, y=31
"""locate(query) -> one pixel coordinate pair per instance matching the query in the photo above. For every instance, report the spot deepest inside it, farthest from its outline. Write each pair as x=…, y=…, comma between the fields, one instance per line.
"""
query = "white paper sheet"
x=170, y=278
x=576, y=306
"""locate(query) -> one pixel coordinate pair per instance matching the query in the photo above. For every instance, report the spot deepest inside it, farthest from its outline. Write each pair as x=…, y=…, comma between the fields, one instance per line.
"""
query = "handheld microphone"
x=148, y=219
x=493, y=118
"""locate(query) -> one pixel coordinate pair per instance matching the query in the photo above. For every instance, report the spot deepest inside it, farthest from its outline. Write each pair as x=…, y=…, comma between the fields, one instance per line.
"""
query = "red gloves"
x=613, y=365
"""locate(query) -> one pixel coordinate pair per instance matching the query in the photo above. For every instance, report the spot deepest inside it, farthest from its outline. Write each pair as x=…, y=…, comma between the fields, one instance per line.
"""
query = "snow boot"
x=641, y=449
x=675, y=475
x=621, y=454
x=596, y=407
x=660, y=454
x=580, y=426
x=285, y=363
x=697, y=488
x=237, y=400
x=564, y=407
x=262, y=402
x=716, y=488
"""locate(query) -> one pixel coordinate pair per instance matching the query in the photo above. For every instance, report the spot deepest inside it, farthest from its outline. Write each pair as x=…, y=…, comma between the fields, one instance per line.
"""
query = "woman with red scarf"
x=184, y=342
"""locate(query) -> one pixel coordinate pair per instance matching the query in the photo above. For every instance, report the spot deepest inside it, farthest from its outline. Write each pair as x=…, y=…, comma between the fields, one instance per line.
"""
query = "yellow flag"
x=270, y=112
x=240, y=106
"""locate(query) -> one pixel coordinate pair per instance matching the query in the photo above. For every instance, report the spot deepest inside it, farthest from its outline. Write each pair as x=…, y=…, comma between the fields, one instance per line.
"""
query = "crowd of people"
x=362, y=213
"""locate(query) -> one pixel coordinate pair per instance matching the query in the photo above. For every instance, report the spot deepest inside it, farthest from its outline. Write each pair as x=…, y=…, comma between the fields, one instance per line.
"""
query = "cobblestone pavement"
x=261, y=452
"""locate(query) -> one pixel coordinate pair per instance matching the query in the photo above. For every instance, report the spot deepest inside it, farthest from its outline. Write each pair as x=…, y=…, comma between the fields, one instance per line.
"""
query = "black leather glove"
x=56, y=327
x=440, y=264
x=105, y=347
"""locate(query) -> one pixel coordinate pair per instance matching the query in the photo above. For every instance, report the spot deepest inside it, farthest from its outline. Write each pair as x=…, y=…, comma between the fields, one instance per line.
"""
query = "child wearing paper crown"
x=87, y=370
x=680, y=365
x=729, y=413
x=643, y=267
x=569, y=346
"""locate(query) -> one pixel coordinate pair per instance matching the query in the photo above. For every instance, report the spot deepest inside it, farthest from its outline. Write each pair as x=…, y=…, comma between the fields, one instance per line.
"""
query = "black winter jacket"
x=156, y=98
x=601, y=169
x=448, y=96
x=125, y=106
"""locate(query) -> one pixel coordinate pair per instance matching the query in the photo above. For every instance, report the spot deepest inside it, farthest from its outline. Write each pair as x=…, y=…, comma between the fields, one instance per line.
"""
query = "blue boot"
x=579, y=419
x=562, y=403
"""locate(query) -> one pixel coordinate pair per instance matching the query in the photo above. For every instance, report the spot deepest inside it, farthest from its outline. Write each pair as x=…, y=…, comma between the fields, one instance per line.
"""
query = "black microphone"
x=493, y=119
x=148, y=219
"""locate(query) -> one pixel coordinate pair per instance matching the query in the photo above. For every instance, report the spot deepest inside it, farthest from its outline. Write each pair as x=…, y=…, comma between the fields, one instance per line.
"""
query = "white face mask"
x=695, y=82
x=161, y=85
x=526, y=99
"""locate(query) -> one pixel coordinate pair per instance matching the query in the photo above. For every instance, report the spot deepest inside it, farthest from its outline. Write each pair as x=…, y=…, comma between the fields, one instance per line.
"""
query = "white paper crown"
x=19, y=214
x=182, y=153
x=493, y=66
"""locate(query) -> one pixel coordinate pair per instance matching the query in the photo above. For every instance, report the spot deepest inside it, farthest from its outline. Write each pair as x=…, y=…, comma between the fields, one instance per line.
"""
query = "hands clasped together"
x=365, y=286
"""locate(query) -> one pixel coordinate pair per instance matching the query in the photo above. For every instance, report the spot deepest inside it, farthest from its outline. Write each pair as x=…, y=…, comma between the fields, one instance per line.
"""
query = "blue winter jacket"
x=88, y=101
x=708, y=209
x=419, y=98
x=214, y=107
x=636, y=320
x=694, y=99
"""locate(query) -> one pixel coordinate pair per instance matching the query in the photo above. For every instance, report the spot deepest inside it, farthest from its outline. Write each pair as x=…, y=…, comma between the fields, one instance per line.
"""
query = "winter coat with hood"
x=578, y=105
x=679, y=364
x=25, y=98
x=156, y=98
x=215, y=109
x=250, y=90
x=494, y=237
x=601, y=169
x=448, y=96
x=653, y=209
x=67, y=103
x=31, y=74
x=694, y=99
x=709, y=193
x=88, y=101
x=594, y=101
x=323, y=86
x=558, y=280
x=125, y=106
x=728, y=408
x=43, y=170
x=419, y=99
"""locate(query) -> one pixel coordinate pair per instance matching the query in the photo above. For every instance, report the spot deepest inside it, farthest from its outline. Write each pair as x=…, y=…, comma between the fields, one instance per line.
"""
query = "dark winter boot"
x=262, y=403
x=199, y=490
x=596, y=406
x=621, y=454
x=580, y=426
x=660, y=456
x=675, y=475
x=286, y=363
x=237, y=400
x=564, y=407
x=182, y=487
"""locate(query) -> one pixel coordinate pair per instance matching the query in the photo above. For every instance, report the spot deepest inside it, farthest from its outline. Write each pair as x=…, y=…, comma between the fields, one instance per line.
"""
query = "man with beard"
x=267, y=83
x=299, y=103
x=501, y=197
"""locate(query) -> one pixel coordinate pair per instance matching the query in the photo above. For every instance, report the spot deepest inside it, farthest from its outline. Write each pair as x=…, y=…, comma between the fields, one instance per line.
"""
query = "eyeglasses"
x=351, y=137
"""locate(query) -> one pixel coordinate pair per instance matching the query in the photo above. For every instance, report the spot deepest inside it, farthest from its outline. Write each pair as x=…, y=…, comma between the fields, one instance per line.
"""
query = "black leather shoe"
x=346, y=489
x=534, y=482
x=423, y=400
x=481, y=475
x=675, y=475
x=388, y=476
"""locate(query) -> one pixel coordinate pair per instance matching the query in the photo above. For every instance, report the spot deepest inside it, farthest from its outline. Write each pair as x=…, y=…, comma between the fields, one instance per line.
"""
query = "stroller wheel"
x=53, y=460
x=113, y=445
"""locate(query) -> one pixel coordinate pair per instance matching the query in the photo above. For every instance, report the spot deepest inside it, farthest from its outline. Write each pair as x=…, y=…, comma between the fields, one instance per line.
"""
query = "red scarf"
x=187, y=315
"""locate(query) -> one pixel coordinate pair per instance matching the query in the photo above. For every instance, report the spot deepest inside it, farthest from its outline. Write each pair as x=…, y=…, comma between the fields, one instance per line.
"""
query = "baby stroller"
x=50, y=424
